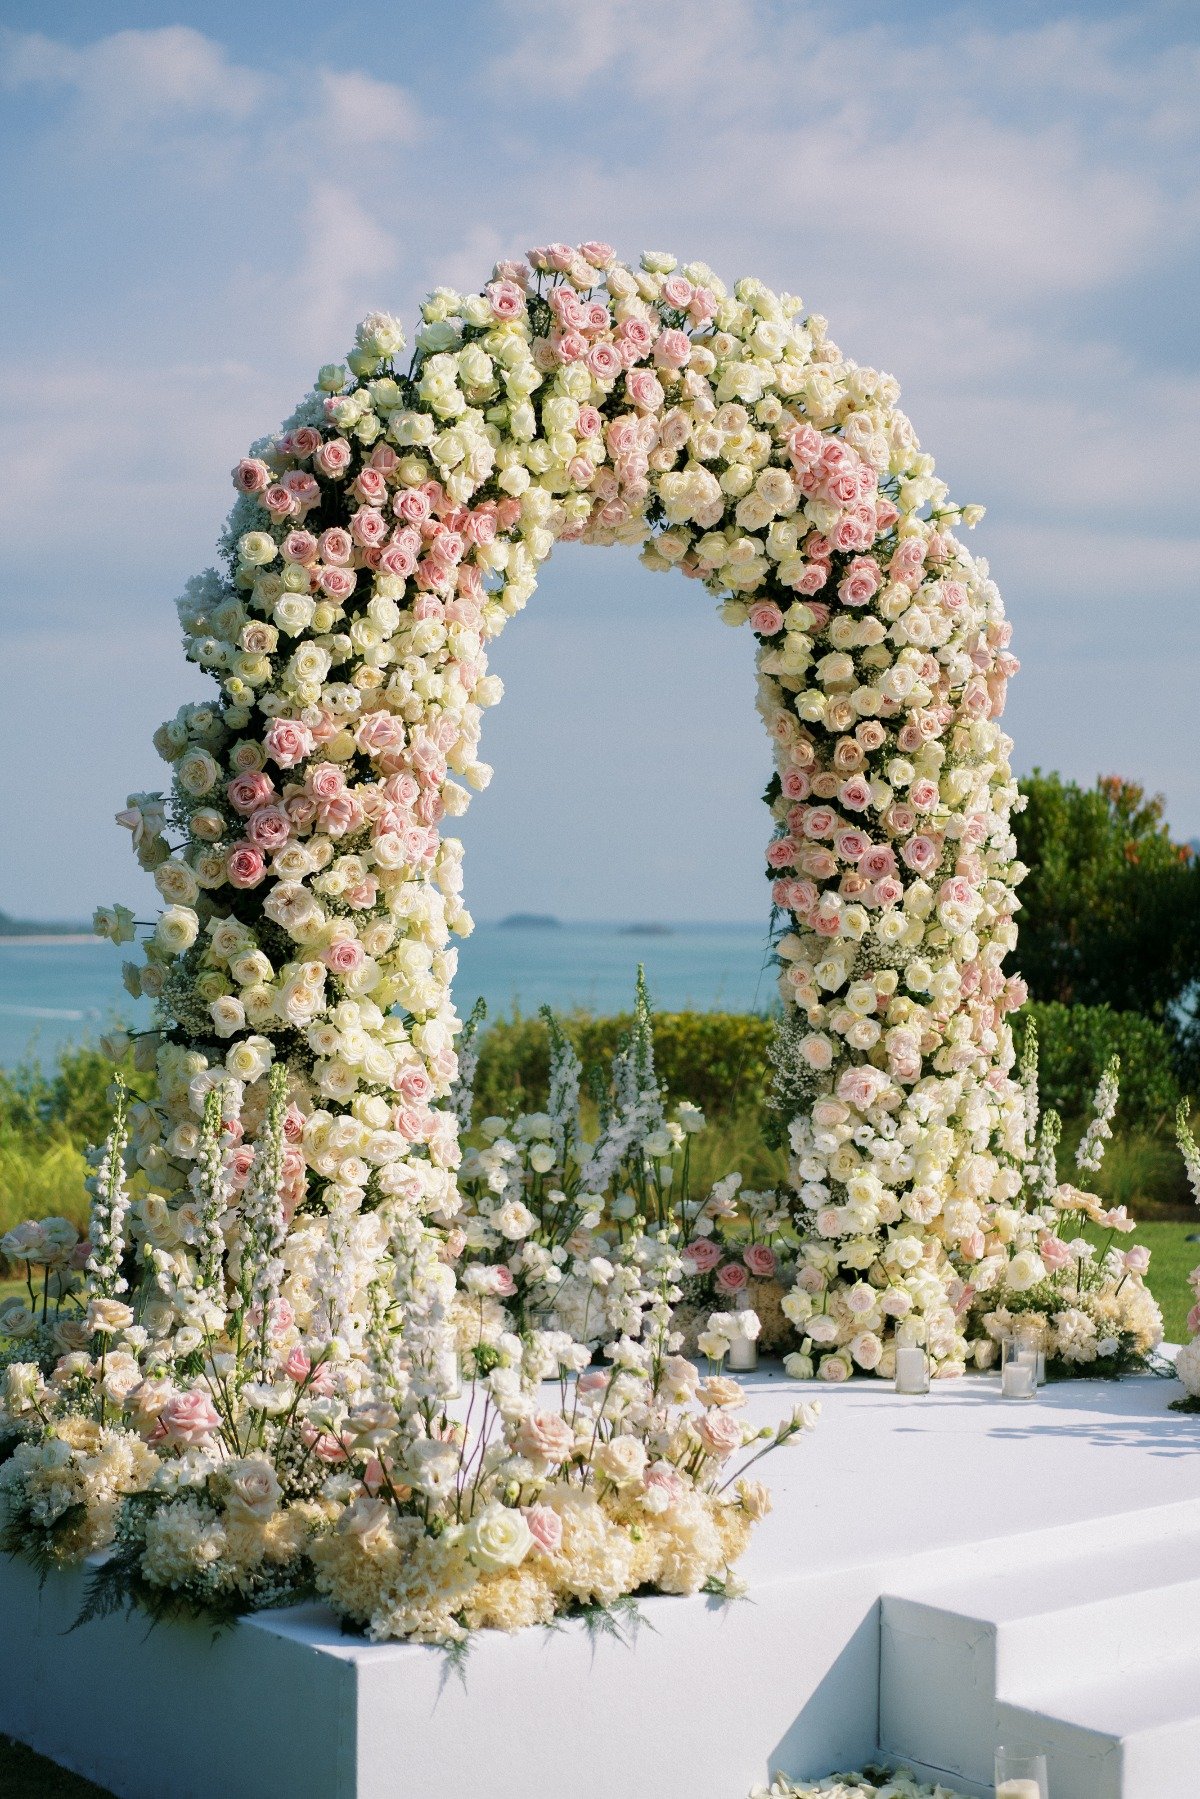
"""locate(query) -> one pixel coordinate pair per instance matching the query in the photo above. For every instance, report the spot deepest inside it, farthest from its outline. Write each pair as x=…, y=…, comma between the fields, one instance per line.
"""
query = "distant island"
x=647, y=930
x=530, y=921
x=28, y=927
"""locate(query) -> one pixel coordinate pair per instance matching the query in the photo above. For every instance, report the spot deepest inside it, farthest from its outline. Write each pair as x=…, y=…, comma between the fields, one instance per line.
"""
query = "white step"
x=1130, y=1735
x=1094, y=1655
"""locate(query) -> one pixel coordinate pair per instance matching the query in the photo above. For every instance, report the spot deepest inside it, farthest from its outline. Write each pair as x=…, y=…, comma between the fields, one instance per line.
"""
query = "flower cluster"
x=1088, y=1296
x=875, y=1783
x=301, y=1425
x=1187, y=1362
x=383, y=538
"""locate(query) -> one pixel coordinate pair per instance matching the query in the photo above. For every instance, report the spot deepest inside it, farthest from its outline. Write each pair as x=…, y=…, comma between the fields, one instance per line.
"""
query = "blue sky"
x=998, y=205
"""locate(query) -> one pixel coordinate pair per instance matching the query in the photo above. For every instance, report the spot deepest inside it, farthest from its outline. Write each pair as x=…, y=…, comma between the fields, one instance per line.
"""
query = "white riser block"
x=937, y=1689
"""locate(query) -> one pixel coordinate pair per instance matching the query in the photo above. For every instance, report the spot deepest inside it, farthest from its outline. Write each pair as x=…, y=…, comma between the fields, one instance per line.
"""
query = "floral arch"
x=386, y=535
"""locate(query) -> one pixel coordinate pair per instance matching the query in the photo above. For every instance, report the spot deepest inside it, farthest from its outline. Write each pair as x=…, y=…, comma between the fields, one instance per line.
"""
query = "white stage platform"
x=936, y=1571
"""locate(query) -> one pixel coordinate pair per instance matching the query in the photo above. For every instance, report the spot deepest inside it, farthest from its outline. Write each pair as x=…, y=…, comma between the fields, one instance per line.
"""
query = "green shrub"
x=1075, y=1043
x=718, y=1060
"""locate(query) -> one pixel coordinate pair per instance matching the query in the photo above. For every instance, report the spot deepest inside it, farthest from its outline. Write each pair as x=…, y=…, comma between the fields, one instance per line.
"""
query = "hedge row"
x=718, y=1060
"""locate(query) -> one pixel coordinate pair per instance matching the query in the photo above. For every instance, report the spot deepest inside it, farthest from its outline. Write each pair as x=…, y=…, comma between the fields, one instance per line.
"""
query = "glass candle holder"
x=1018, y=1369
x=912, y=1368
x=743, y=1350
x=1031, y=1332
x=1020, y=1775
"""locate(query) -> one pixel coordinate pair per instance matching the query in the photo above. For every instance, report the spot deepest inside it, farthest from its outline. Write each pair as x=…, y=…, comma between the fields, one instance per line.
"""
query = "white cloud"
x=359, y=110
x=135, y=80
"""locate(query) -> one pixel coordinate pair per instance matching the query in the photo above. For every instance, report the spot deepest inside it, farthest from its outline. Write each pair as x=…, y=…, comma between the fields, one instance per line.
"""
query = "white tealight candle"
x=1019, y=1789
x=743, y=1355
x=912, y=1369
x=1019, y=1381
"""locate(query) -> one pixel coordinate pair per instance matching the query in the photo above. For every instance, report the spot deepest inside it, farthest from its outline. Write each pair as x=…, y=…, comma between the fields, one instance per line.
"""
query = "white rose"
x=177, y=929
x=499, y=1538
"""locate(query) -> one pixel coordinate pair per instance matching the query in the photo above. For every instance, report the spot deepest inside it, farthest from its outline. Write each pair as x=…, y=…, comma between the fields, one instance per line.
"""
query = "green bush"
x=1075, y=1043
x=718, y=1060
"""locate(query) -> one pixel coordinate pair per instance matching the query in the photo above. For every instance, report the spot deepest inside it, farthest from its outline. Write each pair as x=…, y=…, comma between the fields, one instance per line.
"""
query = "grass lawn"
x=24, y=1775
x=1172, y=1259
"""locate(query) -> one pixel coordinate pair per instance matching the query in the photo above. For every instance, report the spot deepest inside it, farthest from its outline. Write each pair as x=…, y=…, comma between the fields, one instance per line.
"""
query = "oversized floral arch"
x=379, y=543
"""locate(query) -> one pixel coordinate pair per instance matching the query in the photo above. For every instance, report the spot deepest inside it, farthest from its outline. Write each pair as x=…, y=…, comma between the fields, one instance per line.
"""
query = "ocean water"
x=54, y=992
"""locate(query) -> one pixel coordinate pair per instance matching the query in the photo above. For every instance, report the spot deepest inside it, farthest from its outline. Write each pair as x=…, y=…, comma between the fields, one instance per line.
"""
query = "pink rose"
x=505, y=299
x=344, y=958
x=250, y=791
x=298, y=1365
x=190, y=1417
x=326, y=781
x=860, y=582
x=732, y=1278
x=703, y=1254
x=673, y=350
x=1137, y=1259
x=720, y=1433
x=604, y=361
x=333, y=458
x=761, y=1261
x=766, y=618
x=380, y=733
x=371, y=486
x=299, y=547
x=546, y=1436
x=861, y=1086
x=288, y=741
x=545, y=1527
x=665, y=1482
x=269, y=828
x=245, y=865
x=1054, y=1252
x=338, y=583
x=924, y=794
x=279, y=501
x=251, y=475
x=336, y=545
x=920, y=853
x=855, y=794
x=368, y=527
x=820, y=821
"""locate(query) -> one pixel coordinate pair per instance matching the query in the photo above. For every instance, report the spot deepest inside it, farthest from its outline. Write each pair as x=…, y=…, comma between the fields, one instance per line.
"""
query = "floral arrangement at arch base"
x=872, y=1783
x=257, y=1372
x=1187, y=1362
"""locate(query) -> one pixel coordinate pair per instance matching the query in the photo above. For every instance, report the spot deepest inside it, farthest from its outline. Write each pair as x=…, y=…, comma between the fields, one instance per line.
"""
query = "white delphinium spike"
x=637, y=1100
x=1090, y=1153
x=1044, y=1174
x=211, y=1185
x=1189, y=1148
x=461, y=1100
x=110, y=1206
x=1029, y=1090
x=566, y=1071
x=264, y=1227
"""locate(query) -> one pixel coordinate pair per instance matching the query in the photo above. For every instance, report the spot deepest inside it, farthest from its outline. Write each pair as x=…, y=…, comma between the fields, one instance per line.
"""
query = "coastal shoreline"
x=52, y=937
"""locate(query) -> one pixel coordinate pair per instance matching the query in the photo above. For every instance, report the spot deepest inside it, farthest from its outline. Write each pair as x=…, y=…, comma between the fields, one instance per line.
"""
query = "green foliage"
x=718, y=1060
x=1075, y=1045
x=76, y=1096
x=46, y=1123
x=1110, y=910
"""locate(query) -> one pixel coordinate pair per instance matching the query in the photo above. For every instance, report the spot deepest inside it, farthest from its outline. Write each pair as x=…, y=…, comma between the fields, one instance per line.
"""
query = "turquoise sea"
x=54, y=992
